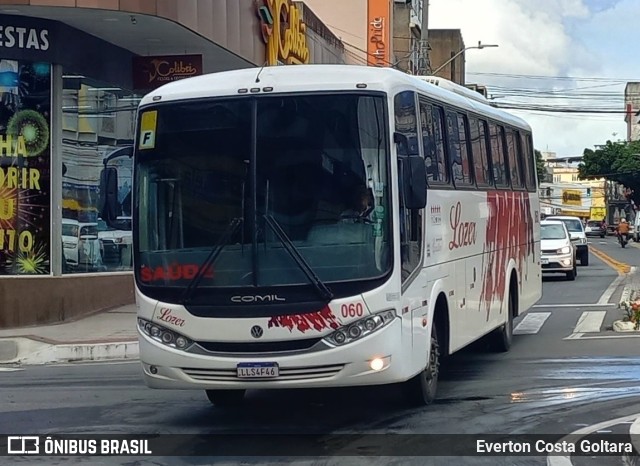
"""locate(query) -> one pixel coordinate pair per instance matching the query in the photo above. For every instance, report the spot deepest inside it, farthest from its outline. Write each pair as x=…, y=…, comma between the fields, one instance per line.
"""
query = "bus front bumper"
x=348, y=365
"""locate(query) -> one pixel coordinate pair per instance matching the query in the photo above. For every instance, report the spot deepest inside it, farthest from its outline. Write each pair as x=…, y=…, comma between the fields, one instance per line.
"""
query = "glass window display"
x=98, y=127
x=25, y=158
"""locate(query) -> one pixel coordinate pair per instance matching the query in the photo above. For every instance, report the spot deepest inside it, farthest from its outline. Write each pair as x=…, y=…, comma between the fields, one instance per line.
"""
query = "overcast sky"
x=593, y=41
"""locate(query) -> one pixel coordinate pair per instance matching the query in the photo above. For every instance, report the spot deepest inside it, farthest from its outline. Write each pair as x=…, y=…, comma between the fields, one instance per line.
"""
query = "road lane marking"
x=532, y=323
x=576, y=305
x=10, y=369
x=606, y=296
x=619, y=267
x=634, y=432
x=578, y=336
x=571, y=438
x=590, y=322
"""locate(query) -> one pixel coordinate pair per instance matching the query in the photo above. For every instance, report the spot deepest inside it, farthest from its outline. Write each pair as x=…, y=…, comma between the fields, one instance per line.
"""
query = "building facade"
x=407, y=30
x=348, y=21
x=72, y=73
x=632, y=110
x=444, y=44
x=566, y=194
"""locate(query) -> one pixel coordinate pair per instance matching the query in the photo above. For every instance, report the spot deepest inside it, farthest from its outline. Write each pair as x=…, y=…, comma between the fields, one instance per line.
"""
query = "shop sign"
x=25, y=155
x=23, y=38
x=152, y=72
x=571, y=197
x=378, y=33
x=598, y=213
x=283, y=32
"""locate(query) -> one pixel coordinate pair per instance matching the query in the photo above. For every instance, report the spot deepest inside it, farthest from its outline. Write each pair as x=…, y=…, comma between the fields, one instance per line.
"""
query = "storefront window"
x=98, y=126
x=25, y=158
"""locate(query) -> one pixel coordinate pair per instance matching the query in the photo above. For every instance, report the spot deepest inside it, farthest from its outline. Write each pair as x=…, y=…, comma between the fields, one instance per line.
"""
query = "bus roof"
x=310, y=78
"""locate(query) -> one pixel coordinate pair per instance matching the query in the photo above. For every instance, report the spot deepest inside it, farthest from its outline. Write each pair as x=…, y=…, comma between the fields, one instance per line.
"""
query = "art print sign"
x=25, y=155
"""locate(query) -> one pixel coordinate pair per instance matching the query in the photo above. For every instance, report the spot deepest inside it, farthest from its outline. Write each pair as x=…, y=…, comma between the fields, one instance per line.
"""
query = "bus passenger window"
x=497, y=155
x=529, y=162
x=460, y=164
x=515, y=158
x=433, y=142
x=479, y=150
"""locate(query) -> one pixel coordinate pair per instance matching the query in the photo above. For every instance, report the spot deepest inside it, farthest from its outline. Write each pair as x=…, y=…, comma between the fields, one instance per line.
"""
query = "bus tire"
x=503, y=336
x=224, y=398
x=421, y=389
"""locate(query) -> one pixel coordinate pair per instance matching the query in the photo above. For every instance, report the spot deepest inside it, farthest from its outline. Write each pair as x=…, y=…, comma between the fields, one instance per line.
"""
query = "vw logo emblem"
x=256, y=331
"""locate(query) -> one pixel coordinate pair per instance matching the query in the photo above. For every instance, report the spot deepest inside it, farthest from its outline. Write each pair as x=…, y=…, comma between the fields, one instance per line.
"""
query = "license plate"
x=258, y=370
x=544, y=261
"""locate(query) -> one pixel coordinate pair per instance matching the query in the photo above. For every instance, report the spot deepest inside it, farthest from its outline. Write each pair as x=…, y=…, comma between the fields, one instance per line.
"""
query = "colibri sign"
x=152, y=72
x=283, y=32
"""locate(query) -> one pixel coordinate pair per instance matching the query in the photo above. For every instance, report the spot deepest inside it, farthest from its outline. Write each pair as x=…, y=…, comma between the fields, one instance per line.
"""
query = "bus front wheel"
x=225, y=398
x=421, y=389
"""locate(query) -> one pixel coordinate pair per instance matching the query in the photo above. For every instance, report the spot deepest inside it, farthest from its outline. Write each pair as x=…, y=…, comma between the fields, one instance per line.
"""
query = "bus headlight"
x=164, y=335
x=361, y=328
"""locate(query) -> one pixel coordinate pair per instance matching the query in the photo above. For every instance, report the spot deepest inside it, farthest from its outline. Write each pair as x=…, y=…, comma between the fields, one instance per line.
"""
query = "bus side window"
x=479, y=152
x=528, y=156
x=497, y=155
x=459, y=153
x=411, y=232
x=515, y=159
x=433, y=142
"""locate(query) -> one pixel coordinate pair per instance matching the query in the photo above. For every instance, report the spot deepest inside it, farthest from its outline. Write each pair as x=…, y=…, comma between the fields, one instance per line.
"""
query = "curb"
x=628, y=287
x=24, y=351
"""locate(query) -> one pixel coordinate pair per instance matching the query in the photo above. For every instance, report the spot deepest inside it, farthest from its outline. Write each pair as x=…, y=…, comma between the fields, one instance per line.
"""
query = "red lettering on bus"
x=172, y=273
x=464, y=233
x=352, y=310
x=166, y=316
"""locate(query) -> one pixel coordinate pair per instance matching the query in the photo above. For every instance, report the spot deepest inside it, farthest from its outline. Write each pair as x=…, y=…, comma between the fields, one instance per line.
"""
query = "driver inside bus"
x=360, y=203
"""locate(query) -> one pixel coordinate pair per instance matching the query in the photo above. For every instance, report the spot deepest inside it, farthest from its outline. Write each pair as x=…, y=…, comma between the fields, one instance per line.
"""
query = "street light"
x=479, y=46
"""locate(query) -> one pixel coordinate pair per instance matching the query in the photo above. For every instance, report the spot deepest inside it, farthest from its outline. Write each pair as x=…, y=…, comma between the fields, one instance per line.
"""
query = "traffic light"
x=588, y=192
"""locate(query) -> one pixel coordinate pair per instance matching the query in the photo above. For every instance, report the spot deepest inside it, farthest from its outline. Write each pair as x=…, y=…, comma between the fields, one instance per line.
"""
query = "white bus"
x=325, y=226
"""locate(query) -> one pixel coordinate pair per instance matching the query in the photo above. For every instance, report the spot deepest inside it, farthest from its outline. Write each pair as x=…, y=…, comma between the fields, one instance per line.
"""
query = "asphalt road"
x=555, y=380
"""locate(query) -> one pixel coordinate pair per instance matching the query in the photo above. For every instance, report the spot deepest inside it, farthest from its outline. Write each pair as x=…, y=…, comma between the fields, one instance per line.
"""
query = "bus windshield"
x=230, y=175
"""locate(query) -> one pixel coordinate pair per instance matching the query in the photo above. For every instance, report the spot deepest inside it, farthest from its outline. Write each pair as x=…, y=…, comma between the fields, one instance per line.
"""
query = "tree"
x=614, y=161
x=540, y=168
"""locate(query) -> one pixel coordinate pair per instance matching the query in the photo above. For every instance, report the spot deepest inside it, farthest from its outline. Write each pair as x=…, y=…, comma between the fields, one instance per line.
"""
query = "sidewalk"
x=107, y=335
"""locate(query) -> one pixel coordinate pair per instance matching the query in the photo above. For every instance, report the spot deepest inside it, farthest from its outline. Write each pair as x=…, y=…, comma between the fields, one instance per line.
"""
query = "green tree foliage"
x=540, y=168
x=615, y=161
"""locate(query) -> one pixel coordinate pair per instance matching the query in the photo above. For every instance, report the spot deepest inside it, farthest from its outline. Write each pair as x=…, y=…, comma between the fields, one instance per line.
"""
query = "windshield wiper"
x=320, y=287
x=213, y=255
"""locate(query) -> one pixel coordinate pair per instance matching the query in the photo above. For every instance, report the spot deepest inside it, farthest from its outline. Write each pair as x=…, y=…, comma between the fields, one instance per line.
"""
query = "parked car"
x=595, y=228
x=80, y=245
x=578, y=236
x=558, y=251
x=116, y=243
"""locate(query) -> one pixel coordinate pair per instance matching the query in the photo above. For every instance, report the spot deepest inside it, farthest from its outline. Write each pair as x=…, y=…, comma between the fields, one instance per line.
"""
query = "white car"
x=116, y=243
x=558, y=251
x=80, y=245
x=578, y=236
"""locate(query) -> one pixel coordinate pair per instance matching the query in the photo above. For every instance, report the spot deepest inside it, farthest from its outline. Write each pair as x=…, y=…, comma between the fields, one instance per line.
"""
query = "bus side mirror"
x=402, y=144
x=413, y=179
x=108, y=206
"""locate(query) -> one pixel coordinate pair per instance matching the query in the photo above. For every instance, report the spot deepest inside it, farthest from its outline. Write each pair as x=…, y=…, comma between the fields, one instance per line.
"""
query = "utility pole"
x=424, y=65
